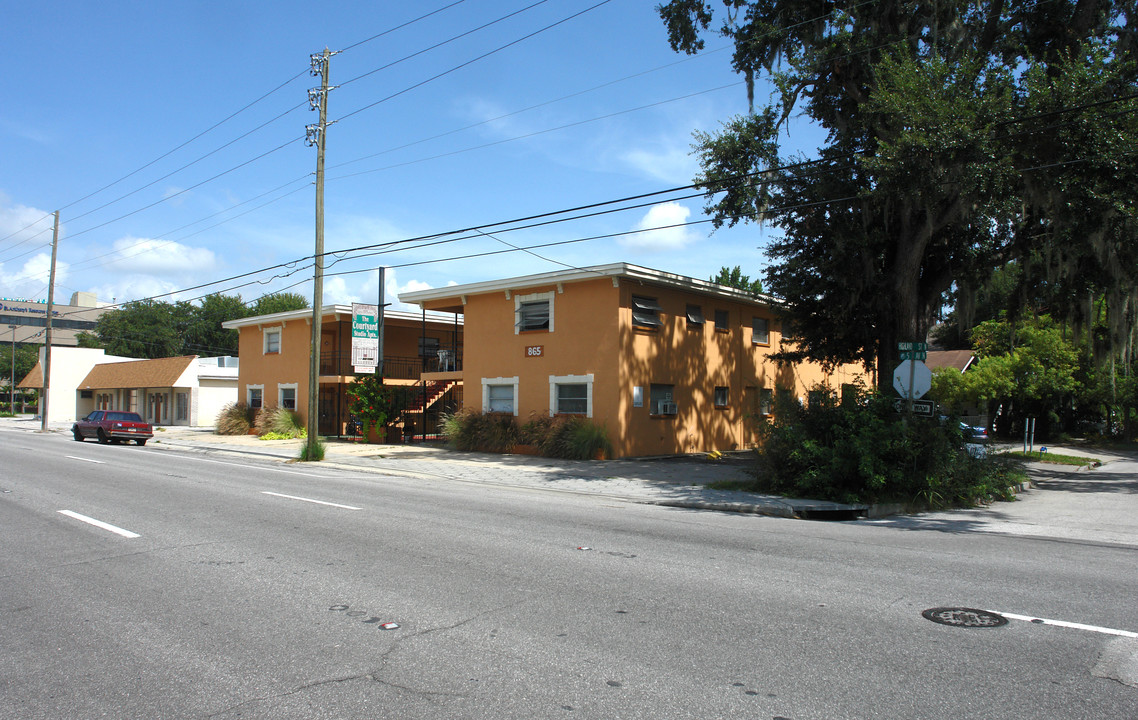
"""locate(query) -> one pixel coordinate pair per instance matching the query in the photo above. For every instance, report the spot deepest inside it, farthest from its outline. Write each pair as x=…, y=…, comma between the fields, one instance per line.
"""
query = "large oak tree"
x=961, y=136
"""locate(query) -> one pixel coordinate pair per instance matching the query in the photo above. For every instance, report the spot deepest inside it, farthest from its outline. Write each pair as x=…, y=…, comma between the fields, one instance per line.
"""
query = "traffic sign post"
x=912, y=379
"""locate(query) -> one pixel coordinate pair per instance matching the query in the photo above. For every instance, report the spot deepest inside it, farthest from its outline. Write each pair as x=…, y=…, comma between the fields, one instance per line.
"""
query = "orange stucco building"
x=668, y=364
x=275, y=359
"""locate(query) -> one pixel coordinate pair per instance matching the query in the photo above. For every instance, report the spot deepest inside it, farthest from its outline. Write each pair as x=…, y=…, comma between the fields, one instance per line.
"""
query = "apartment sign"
x=365, y=337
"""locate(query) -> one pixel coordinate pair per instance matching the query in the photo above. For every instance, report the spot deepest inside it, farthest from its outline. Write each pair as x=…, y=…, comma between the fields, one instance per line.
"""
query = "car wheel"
x=76, y=434
x=141, y=441
x=103, y=437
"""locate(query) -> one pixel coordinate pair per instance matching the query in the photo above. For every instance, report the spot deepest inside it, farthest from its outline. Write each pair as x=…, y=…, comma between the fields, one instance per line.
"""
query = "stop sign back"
x=922, y=378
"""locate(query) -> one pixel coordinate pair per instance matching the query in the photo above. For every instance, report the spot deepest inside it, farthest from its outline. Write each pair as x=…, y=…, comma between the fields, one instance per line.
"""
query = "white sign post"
x=912, y=379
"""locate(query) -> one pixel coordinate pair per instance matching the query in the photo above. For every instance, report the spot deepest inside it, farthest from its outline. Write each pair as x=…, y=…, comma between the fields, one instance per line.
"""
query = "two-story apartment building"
x=275, y=352
x=667, y=363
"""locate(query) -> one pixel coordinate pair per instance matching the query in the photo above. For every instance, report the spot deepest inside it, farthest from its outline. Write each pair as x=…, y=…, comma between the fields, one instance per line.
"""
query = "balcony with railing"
x=398, y=368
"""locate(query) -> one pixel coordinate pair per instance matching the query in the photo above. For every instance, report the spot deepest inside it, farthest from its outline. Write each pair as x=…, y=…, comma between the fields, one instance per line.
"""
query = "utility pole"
x=12, y=385
x=316, y=134
x=47, y=338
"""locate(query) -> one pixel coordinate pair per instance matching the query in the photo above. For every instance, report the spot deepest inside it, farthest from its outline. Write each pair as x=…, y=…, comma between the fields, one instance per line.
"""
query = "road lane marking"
x=310, y=500
x=253, y=466
x=1073, y=626
x=73, y=457
x=99, y=524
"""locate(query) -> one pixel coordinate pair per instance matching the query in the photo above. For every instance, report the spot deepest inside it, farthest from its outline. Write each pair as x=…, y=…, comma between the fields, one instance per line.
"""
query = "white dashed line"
x=100, y=462
x=310, y=500
x=99, y=524
x=1063, y=623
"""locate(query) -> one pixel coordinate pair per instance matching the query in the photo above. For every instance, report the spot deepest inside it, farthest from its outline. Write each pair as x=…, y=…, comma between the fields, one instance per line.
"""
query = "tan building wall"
x=593, y=339
x=285, y=369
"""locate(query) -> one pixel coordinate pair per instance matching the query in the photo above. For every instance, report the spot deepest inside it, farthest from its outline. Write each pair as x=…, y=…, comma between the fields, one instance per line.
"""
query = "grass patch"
x=312, y=452
x=1055, y=458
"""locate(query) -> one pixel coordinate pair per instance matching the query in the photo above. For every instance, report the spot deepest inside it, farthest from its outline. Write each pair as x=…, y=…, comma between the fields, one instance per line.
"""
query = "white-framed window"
x=571, y=395
x=760, y=331
x=286, y=396
x=500, y=395
x=272, y=340
x=255, y=396
x=533, y=312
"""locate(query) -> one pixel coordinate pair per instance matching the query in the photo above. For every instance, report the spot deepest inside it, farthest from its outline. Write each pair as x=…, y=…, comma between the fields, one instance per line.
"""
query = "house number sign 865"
x=535, y=350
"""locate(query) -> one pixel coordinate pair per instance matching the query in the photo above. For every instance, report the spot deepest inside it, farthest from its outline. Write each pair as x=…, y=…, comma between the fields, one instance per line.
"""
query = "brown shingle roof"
x=34, y=378
x=959, y=359
x=158, y=373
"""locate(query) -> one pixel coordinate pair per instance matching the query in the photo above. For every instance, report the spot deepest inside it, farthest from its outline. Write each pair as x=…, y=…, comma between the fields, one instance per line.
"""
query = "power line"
x=441, y=44
x=472, y=61
x=400, y=27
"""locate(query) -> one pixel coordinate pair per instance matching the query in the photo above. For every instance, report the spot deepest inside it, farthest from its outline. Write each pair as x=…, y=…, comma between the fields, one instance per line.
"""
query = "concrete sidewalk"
x=672, y=481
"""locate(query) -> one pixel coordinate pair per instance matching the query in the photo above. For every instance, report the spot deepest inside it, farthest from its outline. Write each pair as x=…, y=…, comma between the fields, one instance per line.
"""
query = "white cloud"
x=671, y=164
x=164, y=258
x=663, y=216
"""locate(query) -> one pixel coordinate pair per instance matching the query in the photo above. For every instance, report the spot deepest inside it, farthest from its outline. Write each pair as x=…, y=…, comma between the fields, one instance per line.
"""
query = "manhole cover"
x=964, y=617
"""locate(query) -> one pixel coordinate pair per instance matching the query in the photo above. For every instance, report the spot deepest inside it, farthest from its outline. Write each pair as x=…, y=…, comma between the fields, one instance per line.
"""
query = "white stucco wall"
x=68, y=368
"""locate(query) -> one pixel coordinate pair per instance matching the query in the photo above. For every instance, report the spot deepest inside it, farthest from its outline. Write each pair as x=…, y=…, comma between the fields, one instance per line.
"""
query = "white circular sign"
x=922, y=378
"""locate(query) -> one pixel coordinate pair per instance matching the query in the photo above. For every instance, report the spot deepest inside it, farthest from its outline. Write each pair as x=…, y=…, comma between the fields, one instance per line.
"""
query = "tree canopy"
x=962, y=136
x=155, y=329
x=734, y=277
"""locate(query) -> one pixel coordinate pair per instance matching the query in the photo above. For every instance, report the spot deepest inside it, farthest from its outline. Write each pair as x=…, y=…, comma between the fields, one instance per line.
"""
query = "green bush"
x=280, y=421
x=235, y=419
x=570, y=438
x=478, y=432
x=575, y=439
x=861, y=451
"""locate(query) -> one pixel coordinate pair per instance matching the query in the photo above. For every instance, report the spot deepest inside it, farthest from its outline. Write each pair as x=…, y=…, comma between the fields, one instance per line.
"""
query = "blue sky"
x=560, y=112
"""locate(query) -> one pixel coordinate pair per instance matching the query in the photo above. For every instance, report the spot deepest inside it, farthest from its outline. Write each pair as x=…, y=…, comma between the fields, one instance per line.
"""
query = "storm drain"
x=964, y=617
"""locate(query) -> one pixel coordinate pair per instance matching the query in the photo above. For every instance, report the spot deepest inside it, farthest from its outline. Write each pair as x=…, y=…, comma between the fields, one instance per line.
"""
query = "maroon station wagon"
x=113, y=426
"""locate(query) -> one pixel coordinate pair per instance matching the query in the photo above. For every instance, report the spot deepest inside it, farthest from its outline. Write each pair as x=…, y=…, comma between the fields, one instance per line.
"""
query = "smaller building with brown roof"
x=185, y=390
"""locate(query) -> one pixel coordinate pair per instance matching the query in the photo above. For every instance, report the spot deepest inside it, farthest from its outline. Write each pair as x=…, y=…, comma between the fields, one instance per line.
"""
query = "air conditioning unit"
x=667, y=408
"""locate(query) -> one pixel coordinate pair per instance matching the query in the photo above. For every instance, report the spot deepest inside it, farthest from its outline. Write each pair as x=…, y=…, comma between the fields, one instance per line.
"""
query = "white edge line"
x=310, y=500
x=99, y=524
x=1073, y=626
x=101, y=462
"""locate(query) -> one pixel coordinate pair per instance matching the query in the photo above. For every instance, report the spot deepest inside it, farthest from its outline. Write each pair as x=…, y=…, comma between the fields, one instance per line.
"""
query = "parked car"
x=112, y=426
x=974, y=433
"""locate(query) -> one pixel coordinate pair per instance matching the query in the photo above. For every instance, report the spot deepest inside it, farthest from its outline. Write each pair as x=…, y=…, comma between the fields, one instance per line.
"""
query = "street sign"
x=923, y=408
x=912, y=378
x=365, y=337
x=921, y=355
x=918, y=346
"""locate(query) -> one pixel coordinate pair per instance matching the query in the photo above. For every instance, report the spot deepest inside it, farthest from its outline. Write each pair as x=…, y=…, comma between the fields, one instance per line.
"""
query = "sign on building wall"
x=365, y=337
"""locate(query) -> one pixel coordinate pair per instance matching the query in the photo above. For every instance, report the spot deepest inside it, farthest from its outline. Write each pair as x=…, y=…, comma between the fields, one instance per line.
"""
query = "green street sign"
x=912, y=347
x=921, y=355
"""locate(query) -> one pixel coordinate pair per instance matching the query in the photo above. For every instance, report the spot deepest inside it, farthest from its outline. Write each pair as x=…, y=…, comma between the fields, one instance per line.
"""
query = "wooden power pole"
x=318, y=99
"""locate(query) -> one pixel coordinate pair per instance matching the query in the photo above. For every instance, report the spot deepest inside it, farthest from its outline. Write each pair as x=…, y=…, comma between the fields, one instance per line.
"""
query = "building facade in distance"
x=29, y=320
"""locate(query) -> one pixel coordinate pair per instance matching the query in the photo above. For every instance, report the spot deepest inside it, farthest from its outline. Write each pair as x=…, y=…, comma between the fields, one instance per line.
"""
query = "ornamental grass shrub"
x=235, y=419
x=571, y=438
x=311, y=452
x=861, y=451
x=280, y=422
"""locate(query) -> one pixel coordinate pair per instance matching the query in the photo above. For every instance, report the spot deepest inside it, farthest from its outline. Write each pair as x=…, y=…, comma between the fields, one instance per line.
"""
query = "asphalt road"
x=259, y=590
